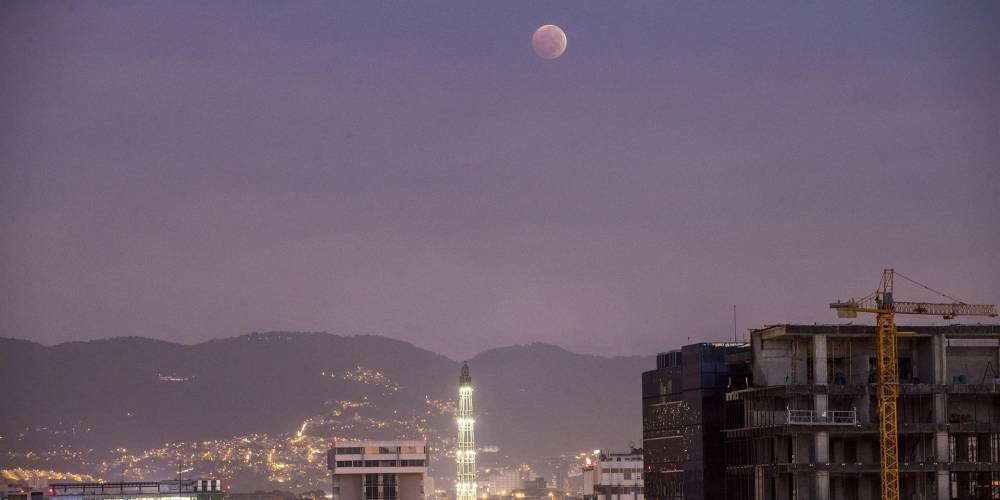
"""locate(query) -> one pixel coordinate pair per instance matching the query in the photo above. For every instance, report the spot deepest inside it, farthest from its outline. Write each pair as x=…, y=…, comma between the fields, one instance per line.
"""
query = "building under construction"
x=808, y=426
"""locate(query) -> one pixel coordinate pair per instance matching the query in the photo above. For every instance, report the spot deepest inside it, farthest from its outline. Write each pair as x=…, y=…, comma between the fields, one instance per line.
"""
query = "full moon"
x=549, y=41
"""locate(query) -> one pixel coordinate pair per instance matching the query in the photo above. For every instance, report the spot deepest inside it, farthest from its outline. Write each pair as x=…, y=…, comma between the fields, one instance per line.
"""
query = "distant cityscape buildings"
x=378, y=470
x=502, y=482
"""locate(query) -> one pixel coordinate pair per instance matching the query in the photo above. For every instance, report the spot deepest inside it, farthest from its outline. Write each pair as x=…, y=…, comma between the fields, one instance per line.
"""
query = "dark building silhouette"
x=683, y=415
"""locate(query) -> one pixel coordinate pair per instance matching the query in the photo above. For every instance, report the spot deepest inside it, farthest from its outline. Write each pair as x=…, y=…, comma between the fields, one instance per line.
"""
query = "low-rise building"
x=614, y=476
x=378, y=470
x=19, y=491
x=185, y=489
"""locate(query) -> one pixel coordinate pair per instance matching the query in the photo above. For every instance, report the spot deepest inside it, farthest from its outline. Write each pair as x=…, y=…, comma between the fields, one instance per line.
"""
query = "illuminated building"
x=501, y=482
x=185, y=489
x=683, y=417
x=378, y=470
x=614, y=476
x=12, y=491
x=536, y=489
x=465, y=455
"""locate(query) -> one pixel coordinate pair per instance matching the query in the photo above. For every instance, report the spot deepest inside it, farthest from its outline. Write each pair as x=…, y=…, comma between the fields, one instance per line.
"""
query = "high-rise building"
x=378, y=470
x=465, y=455
x=683, y=403
x=809, y=425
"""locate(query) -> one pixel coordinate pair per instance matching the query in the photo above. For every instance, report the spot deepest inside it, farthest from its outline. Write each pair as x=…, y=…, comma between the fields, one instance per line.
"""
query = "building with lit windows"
x=465, y=454
x=184, y=489
x=501, y=483
x=614, y=476
x=683, y=417
x=17, y=491
x=378, y=470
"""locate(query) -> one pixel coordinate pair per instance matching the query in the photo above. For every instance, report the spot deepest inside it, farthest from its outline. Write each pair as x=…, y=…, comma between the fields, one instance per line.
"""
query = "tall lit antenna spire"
x=465, y=455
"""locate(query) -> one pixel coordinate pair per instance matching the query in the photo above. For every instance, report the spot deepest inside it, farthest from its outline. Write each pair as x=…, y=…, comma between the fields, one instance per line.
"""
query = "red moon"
x=549, y=41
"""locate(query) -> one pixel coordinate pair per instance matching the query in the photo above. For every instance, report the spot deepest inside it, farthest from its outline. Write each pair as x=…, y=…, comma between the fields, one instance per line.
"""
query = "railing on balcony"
x=830, y=417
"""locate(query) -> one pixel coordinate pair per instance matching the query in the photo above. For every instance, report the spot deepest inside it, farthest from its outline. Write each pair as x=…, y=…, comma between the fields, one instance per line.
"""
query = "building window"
x=381, y=487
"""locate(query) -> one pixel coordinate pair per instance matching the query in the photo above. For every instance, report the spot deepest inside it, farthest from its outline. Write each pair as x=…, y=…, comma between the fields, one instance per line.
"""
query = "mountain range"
x=126, y=405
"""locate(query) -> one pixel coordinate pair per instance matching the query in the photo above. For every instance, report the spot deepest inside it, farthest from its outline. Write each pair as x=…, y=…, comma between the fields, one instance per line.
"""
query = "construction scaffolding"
x=797, y=435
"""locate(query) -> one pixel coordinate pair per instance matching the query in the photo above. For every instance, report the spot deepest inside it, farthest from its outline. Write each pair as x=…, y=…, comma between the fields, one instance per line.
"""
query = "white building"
x=501, y=482
x=378, y=470
x=614, y=476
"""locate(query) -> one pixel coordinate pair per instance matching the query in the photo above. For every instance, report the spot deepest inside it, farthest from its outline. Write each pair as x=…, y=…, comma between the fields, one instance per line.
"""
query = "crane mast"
x=882, y=304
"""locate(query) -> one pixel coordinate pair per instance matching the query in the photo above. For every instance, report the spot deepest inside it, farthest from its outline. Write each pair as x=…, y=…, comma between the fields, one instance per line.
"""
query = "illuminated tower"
x=465, y=455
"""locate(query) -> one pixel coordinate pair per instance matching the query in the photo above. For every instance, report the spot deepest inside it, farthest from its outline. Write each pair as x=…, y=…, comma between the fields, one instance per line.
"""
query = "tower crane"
x=885, y=308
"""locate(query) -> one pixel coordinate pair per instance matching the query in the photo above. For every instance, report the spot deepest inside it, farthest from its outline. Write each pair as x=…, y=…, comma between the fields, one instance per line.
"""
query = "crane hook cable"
x=915, y=282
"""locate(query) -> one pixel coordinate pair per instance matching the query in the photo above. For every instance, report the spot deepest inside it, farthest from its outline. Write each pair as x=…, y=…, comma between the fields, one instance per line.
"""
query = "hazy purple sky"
x=189, y=170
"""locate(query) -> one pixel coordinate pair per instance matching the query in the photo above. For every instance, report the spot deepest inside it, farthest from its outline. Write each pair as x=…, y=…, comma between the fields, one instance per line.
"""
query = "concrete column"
x=940, y=365
x=819, y=360
x=941, y=447
x=943, y=485
x=822, y=447
x=822, y=485
x=940, y=408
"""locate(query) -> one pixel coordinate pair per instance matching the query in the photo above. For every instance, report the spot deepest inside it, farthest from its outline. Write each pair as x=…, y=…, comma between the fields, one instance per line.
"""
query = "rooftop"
x=955, y=330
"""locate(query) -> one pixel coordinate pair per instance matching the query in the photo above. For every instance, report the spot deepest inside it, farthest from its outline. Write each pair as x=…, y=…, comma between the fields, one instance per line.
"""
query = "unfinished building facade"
x=808, y=427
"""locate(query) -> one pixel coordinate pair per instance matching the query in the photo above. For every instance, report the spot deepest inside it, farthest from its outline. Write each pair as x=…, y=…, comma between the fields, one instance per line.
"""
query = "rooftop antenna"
x=735, y=340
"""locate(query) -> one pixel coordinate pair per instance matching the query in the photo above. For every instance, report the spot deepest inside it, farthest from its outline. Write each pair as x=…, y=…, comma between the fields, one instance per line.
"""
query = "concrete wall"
x=973, y=362
x=350, y=487
x=972, y=408
x=923, y=362
x=771, y=361
x=411, y=486
x=862, y=354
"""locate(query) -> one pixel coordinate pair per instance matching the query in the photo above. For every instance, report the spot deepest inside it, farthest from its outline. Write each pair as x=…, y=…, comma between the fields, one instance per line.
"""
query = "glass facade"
x=379, y=450
x=380, y=463
x=381, y=487
x=683, y=416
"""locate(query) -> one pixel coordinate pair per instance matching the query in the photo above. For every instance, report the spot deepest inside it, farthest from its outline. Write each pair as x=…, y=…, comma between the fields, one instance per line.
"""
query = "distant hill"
x=137, y=393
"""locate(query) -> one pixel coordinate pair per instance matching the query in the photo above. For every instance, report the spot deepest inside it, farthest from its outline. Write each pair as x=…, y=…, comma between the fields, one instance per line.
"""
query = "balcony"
x=832, y=417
